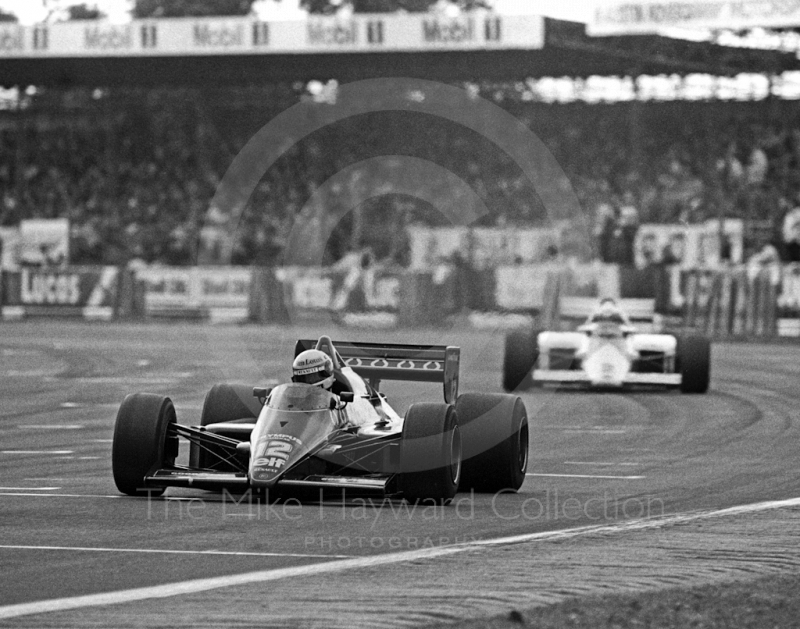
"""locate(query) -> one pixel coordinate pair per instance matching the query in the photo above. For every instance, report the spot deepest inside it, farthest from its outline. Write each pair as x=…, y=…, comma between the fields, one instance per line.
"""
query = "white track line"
x=36, y=451
x=602, y=476
x=202, y=585
x=52, y=426
x=29, y=488
x=168, y=552
x=600, y=464
x=59, y=495
x=597, y=431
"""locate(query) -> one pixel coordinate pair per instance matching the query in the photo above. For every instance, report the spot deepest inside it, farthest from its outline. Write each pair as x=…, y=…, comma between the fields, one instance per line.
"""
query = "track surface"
x=595, y=458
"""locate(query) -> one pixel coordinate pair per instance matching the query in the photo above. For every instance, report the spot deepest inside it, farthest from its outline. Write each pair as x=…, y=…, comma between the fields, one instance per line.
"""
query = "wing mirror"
x=340, y=401
x=262, y=393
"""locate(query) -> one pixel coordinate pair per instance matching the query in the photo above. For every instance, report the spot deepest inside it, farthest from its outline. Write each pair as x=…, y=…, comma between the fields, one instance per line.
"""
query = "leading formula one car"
x=301, y=440
x=606, y=352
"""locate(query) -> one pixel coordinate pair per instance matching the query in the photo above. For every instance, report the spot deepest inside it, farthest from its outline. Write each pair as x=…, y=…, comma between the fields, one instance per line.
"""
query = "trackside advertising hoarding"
x=368, y=295
x=638, y=17
x=380, y=32
x=215, y=292
x=88, y=292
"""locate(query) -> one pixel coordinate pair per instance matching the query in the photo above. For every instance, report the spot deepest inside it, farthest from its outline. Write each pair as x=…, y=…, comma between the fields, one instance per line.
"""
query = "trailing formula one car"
x=607, y=351
x=302, y=440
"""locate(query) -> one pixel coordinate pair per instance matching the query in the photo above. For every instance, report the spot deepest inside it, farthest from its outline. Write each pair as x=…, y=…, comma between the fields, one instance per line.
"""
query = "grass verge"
x=771, y=602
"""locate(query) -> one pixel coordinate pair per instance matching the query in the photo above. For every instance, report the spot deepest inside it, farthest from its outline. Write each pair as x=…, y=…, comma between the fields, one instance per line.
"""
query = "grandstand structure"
x=128, y=130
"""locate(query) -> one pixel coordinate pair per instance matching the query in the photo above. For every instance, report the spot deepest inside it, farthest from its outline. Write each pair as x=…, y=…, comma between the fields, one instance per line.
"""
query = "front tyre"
x=430, y=454
x=521, y=354
x=694, y=363
x=142, y=442
x=223, y=403
x=496, y=441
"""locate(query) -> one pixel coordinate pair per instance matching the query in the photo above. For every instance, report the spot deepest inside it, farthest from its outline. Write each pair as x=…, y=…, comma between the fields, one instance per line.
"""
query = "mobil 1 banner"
x=89, y=292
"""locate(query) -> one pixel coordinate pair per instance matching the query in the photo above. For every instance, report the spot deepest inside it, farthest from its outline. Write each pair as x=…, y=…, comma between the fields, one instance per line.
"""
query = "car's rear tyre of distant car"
x=223, y=403
x=142, y=442
x=694, y=363
x=430, y=454
x=495, y=434
x=521, y=353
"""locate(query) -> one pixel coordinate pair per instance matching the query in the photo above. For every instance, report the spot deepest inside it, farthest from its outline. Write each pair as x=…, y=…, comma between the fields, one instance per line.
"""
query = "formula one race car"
x=607, y=351
x=302, y=440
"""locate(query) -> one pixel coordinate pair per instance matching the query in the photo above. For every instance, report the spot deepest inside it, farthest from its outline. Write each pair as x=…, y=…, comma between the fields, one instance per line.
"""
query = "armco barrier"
x=102, y=293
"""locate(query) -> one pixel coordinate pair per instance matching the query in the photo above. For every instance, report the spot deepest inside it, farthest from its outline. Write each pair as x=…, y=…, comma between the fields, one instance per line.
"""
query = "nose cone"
x=607, y=366
x=272, y=456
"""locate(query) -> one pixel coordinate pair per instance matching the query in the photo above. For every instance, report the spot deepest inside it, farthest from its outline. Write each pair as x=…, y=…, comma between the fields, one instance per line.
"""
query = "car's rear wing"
x=640, y=311
x=582, y=307
x=394, y=361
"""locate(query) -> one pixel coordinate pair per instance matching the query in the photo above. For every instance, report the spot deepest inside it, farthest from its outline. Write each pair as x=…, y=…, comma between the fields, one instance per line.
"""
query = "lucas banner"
x=72, y=291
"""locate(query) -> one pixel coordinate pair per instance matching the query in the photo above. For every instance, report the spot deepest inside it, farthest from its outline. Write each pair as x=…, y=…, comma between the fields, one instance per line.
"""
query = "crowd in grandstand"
x=136, y=171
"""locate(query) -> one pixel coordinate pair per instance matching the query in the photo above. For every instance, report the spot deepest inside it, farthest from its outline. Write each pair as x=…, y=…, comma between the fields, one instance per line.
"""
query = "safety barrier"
x=101, y=293
x=729, y=302
x=734, y=301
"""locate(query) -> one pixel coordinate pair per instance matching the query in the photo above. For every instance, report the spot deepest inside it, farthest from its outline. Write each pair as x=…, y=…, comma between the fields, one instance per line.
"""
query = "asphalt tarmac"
x=67, y=535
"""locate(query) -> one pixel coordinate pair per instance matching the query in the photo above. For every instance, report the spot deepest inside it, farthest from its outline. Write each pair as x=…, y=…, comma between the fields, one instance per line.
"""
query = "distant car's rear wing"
x=582, y=307
x=394, y=361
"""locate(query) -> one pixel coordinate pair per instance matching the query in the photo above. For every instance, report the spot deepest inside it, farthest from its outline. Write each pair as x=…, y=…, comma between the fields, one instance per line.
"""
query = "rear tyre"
x=142, y=443
x=694, y=363
x=521, y=354
x=495, y=433
x=223, y=403
x=430, y=454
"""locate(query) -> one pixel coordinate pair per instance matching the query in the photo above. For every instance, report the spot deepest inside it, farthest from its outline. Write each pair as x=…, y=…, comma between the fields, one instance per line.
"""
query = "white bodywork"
x=606, y=352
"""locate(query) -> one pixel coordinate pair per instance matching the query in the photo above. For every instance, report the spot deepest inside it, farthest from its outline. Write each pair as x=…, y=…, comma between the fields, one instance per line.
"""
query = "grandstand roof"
x=568, y=51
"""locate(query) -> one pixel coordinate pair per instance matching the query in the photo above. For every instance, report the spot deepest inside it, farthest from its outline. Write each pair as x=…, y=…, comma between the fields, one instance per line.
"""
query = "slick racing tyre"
x=494, y=429
x=223, y=403
x=430, y=454
x=142, y=443
x=521, y=354
x=694, y=363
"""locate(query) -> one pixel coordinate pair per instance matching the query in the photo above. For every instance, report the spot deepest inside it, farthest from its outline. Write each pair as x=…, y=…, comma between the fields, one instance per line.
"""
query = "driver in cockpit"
x=608, y=312
x=313, y=367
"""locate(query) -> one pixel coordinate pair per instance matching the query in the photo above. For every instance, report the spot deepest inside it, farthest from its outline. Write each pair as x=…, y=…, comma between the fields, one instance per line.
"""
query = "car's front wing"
x=579, y=376
x=236, y=481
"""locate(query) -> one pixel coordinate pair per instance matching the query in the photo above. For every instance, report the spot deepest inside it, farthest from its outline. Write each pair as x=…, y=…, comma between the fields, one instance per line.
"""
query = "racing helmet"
x=313, y=367
x=608, y=310
x=609, y=306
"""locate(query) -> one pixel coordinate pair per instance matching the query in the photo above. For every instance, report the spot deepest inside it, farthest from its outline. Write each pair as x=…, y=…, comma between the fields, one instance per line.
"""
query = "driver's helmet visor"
x=613, y=317
x=314, y=377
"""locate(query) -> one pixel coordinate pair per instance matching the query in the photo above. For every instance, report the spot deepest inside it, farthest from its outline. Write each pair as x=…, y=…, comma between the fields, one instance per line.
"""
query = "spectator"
x=675, y=250
x=791, y=235
x=136, y=170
